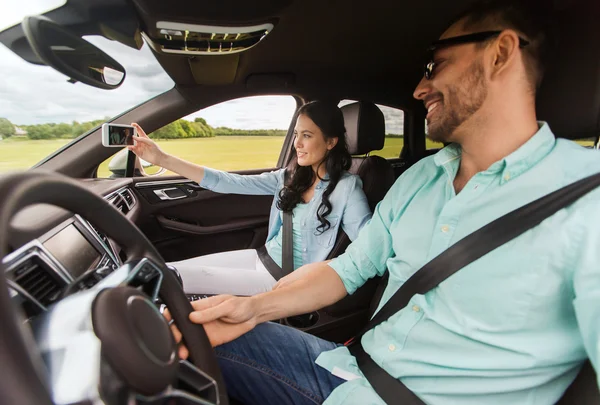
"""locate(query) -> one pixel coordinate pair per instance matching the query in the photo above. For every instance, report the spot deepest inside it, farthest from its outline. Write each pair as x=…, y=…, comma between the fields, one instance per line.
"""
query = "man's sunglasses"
x=462, y=39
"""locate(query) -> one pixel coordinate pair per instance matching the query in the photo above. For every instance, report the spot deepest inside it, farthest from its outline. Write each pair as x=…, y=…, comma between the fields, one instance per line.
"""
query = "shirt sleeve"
x=356, y=212
x=586, y=282
x=367, y=256
x=231, y=183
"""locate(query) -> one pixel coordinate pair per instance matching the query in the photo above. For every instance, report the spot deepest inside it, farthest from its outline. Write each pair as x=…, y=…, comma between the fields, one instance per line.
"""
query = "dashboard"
x=72, y=256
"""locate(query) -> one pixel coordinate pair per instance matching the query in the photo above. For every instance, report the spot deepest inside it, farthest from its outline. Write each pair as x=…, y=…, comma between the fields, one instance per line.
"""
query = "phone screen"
x=120, y=135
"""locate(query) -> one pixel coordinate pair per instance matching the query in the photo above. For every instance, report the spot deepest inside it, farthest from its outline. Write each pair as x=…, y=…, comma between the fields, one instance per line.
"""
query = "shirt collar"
x=447, y=154
x=529, y=154
x=323, y=183
x=513, y=165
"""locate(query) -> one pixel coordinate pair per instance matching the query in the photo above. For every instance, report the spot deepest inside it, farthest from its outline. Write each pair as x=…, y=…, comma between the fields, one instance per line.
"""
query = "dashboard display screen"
x=73, y=251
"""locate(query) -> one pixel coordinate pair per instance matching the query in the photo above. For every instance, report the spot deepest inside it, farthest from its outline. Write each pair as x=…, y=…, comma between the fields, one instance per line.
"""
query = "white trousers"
x=238, y=272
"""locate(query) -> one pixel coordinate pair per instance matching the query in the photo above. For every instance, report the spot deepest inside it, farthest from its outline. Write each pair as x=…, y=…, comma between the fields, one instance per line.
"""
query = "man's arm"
x=319, y=286
x=226, y=317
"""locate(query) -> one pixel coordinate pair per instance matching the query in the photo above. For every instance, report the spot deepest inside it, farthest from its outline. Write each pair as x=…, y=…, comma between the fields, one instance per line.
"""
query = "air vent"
x=129, y=198
x=38, y=282
x=193, y=39
x=123, y=200
x=119, y=203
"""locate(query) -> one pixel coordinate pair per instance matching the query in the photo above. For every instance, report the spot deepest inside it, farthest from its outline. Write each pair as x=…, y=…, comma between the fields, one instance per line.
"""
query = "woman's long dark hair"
x=328, y=117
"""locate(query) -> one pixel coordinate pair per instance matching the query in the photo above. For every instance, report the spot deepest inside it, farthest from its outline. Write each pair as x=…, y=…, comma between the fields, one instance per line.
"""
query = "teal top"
x=275, y=245
x=513, y=327
x=349, y=206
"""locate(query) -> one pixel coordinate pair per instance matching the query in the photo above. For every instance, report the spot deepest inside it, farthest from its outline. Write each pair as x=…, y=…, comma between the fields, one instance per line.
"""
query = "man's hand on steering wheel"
x=224, y=318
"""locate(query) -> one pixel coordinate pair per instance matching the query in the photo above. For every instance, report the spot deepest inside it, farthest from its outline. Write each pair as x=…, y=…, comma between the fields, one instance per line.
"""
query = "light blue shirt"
x=349, y=206
x=513, y=327
x=275, y=245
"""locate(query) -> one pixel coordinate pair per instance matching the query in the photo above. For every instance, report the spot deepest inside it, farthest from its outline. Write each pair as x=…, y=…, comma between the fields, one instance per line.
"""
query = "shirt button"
x=416, y=308
x=445, y=228
x=391, y=348
x=507, y=176
x=304, y=250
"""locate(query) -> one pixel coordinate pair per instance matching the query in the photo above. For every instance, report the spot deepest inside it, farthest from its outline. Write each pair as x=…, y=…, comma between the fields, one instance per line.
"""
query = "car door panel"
x=183, y=220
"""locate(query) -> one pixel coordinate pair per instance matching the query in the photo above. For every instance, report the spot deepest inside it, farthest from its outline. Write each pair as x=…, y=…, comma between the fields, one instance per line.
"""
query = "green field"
x=22, y=153
x=225, y=152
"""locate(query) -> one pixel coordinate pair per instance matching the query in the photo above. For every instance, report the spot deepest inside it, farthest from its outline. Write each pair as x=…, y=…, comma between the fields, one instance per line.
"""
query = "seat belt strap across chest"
x=456, y=257
x=287, y=244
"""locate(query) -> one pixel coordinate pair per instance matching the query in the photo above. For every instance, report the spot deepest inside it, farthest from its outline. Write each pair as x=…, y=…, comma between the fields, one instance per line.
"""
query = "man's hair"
x=528, y=18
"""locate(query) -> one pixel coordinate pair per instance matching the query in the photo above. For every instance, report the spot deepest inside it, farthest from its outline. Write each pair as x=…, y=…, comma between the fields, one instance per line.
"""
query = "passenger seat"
x=365, y=132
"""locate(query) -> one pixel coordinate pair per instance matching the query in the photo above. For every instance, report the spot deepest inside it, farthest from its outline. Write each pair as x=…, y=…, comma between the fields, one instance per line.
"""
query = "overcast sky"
x=31, y=94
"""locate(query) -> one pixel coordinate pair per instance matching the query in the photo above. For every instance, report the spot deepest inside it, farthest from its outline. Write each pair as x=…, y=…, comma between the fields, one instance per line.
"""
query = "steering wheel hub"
x=136, y=339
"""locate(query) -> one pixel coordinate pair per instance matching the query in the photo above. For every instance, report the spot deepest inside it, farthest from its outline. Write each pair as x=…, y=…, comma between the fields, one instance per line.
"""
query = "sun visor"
x=82, y=18
x=214, y=71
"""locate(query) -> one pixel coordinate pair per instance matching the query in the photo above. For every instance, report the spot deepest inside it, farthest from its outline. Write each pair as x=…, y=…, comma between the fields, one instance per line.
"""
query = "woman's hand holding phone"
x=145, y=148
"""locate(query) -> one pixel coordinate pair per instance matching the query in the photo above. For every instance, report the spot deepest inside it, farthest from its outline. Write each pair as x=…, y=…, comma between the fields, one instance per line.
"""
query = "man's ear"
x=505, y=51
x=331, y=142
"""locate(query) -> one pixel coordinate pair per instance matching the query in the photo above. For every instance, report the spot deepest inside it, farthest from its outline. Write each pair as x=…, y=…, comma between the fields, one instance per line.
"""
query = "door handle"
x=171, y=193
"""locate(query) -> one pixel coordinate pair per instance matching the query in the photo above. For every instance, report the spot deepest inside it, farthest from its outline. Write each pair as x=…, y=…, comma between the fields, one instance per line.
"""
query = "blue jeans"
x=275, y=364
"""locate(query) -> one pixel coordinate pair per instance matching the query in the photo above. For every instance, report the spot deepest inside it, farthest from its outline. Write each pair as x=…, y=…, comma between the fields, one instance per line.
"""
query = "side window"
x=394, y=130
x=587, y=142
x=240, y=134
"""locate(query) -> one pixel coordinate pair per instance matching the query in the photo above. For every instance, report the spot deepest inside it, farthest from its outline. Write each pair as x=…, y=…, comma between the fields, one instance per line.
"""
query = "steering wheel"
x=108, y=342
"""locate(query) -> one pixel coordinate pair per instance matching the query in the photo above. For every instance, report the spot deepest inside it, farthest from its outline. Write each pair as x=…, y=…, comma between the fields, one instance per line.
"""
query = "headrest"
x=365, y=127
x=569, y=98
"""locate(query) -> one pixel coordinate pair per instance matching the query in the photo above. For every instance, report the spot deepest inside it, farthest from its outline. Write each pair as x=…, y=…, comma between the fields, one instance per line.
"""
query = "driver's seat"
x=569, y=100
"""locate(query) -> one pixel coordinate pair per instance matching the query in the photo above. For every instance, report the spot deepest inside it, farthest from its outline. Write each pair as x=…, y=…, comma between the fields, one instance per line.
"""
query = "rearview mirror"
x=72, y=55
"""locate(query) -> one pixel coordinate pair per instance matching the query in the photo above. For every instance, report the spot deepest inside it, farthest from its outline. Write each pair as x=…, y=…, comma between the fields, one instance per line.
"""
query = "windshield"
x=40, y=111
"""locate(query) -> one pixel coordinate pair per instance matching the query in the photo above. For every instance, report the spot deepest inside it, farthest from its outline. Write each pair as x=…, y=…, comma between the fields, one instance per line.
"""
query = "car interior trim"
x=162, y=183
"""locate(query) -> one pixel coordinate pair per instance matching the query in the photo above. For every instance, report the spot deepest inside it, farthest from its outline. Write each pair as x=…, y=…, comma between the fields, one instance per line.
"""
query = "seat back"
x=365, y=132
x=584, y=390
x=569, y=100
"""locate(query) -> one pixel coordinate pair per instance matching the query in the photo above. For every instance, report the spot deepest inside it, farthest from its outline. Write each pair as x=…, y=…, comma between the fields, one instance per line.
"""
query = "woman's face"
x=310, y=143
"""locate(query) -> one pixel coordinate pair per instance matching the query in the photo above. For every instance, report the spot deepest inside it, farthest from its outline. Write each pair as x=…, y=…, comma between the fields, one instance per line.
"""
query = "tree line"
x=179, y=129
x=184, y=129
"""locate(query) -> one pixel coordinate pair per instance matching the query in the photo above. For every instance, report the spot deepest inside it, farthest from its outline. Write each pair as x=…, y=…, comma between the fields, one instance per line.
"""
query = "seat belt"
x=287, y=244
x=287, y=251
x=459, y=255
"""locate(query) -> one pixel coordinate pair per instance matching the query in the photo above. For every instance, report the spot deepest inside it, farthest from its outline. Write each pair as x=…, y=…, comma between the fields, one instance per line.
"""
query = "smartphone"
x=117, y=136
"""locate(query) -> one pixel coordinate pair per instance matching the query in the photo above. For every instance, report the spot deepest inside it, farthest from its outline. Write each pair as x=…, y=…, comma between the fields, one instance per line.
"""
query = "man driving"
x=513, y=327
